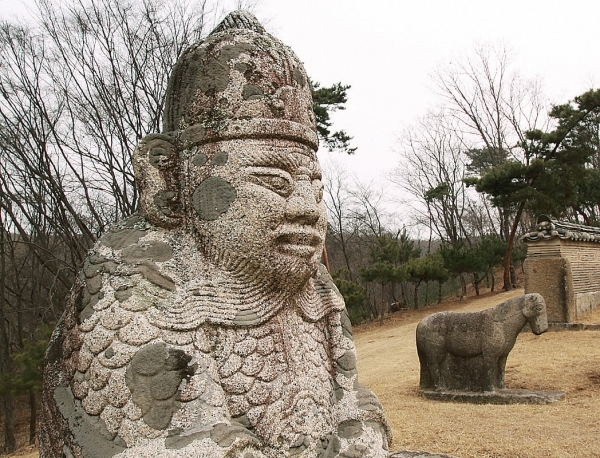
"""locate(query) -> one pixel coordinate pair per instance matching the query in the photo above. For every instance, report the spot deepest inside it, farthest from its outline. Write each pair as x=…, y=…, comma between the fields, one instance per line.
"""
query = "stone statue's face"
x=261, y=208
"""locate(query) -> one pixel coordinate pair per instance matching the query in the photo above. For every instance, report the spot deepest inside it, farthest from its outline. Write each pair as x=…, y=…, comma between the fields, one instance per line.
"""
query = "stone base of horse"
x=504, y=396
x=413, y=454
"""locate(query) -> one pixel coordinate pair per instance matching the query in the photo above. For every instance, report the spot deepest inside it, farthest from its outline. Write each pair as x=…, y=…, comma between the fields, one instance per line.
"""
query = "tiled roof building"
x=563, y=265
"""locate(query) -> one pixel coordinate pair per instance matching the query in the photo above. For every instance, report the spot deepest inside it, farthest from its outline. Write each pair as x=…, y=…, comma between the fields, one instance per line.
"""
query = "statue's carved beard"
x=285, y=257
x=284, y=271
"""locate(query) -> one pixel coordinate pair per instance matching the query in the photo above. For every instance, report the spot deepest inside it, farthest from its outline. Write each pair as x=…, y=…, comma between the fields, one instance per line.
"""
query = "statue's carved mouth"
x=299, y=242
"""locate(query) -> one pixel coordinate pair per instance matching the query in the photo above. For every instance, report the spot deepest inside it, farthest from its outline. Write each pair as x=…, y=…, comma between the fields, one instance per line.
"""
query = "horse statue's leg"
x=426, y=379
x=490, y=371
x=500, y=371
x=431, y=351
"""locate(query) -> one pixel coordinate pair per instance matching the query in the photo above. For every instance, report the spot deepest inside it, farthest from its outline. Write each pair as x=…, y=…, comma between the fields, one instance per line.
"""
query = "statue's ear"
x=155, y=163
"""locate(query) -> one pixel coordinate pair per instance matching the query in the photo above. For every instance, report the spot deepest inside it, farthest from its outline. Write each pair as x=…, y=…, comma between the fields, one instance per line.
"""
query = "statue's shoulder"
x=131, y=246
x=133, y=270
x=126, y=232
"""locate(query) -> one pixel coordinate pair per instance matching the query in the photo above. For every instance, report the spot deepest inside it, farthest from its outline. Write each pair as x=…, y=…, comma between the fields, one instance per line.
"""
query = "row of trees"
x=376, y=263
x=493, y=133
x=479, y=168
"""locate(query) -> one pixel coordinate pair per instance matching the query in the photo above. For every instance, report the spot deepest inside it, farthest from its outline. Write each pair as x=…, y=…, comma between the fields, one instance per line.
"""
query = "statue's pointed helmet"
x=239, y=82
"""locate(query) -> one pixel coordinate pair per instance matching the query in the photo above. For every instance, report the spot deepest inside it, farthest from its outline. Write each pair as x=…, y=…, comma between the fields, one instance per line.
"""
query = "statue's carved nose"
x=301, y=207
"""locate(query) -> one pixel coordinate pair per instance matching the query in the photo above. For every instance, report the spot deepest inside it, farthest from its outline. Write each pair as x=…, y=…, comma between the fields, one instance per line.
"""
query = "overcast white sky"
x=386, y=50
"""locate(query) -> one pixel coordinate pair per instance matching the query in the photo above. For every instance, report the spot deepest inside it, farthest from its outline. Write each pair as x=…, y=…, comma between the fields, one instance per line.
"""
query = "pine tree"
x=559, y=175
x=325, y=101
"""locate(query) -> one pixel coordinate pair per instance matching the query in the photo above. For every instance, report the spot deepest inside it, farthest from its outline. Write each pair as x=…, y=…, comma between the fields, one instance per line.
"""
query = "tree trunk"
x=345, y=253
x=476, y=284
x=439, y=292
x=403, y=292
x=513, y=277
x=463, y=285
x=32, y=417
x=10, y=443
x=393, y=285
x=382, y=310
x=416, y=295
x=509, y=249
x=372, y=301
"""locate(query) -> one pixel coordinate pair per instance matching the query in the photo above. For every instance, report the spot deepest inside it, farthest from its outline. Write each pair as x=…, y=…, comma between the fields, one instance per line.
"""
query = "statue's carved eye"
x=318, y=188
x=280, y=184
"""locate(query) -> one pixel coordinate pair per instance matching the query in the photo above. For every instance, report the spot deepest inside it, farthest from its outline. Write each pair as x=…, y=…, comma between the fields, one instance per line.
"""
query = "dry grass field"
x=565, y=360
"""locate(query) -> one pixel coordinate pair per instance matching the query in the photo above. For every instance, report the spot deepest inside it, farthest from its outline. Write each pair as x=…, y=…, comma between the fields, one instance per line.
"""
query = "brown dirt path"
x=566, y=360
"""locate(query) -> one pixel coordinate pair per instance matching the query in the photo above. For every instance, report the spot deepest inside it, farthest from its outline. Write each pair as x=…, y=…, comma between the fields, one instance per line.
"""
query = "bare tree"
x=371, y=209
x=379, y=238
x=342, y=230
x=433, y=167
x=494, y=107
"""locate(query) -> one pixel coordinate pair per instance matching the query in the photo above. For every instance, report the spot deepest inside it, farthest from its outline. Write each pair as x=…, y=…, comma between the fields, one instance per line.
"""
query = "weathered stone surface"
x=206, y=325
x=413, y=454
x=468, y=351
x=213, y=197
x=504, y=396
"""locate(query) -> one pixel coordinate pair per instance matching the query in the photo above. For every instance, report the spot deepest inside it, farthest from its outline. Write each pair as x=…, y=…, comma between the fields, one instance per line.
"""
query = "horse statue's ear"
x=155, y=163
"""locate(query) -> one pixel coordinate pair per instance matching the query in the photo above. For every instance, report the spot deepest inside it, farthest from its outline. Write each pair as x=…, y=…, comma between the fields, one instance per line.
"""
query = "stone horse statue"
x=468, y=351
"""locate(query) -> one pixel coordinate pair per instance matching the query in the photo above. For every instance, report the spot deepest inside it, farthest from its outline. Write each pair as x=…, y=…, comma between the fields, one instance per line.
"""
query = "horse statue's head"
x=534, y=309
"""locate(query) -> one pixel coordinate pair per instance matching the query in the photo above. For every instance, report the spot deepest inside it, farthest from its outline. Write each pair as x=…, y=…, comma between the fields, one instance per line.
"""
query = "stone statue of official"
x=206, y=326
